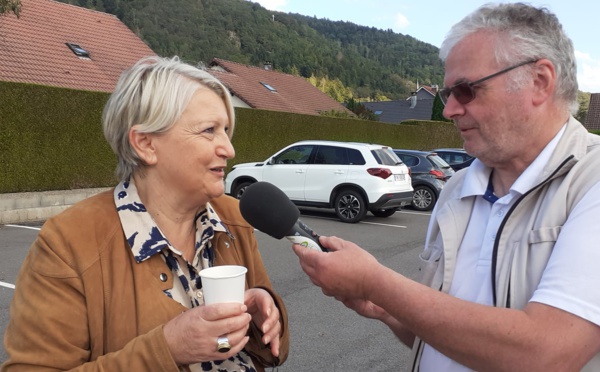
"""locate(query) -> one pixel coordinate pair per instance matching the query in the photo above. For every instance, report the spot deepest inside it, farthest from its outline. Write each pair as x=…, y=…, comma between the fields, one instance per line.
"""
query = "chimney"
x=268, y=66
x=434, y=88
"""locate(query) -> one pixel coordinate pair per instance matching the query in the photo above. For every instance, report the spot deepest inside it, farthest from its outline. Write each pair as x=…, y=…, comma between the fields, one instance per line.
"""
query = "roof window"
x=269, y=87
x=79, y=51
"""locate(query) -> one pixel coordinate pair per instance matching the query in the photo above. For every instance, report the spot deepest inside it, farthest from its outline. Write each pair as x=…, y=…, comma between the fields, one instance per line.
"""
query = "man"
x=512, y=256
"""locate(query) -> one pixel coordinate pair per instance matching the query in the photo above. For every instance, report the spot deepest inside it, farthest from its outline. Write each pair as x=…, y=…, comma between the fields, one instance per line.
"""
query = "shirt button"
x=199, y=294
x=226, y=244
x=163, y=277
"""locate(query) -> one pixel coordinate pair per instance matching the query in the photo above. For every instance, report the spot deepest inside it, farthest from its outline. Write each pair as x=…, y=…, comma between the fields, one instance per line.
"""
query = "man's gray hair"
x=522, y=32
x=153, y=93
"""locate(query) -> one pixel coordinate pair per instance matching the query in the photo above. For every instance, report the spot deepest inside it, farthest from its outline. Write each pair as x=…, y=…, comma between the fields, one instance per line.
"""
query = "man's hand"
x=343, y=272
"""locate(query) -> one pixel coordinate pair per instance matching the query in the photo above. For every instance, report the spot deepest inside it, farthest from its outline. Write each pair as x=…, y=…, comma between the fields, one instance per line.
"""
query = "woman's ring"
x=223, y=344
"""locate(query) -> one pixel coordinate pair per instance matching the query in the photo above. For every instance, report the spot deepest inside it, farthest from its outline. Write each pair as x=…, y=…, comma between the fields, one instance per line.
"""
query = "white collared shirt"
x=570, y=279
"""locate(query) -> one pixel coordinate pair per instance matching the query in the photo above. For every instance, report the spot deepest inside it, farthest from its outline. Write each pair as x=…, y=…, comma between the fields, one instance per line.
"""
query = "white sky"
x=429, y=21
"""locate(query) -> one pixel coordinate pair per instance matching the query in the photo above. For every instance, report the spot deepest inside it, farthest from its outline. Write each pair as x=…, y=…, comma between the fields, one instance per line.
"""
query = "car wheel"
x=384, y=212
x=423, y=198
x=240, y=188
x=350, y=206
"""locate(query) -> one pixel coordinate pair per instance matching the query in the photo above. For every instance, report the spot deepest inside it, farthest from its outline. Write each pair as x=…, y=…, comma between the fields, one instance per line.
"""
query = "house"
x=592, y=120
x=63, y=45
x=418, y=106
x=266, y=89
x=427, y=92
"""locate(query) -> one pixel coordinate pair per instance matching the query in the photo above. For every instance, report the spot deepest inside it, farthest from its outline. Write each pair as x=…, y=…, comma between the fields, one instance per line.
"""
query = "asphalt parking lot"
x=324, y=334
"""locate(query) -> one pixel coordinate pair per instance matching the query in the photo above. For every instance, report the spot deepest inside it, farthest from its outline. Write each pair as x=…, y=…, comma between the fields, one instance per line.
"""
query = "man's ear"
x=143, y=145
x=544, y=81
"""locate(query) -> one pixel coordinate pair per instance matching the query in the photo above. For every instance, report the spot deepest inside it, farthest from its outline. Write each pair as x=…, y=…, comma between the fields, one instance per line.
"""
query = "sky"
x=429, y=21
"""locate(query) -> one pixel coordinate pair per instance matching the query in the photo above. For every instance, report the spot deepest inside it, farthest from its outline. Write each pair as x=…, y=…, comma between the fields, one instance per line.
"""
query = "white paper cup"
x=223, y=284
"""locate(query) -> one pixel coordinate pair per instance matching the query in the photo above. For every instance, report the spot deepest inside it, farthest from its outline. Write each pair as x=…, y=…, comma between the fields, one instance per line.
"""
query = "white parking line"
x=361, y=222
x=7, y=285
x=417, y=213
x=383, y=224
x=24, y=227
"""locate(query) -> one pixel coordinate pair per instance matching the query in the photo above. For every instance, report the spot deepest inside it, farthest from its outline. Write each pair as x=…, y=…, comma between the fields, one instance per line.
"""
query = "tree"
x=7, y=6
x=336, y=114
x=360, y=62
x=437, y=111
x=360, y=110
x=584, y=103
x=333, y=88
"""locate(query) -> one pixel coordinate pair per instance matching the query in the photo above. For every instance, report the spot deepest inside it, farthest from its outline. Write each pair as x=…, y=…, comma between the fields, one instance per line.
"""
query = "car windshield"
x=455, y=157
x=385, y=156
x=438, y=161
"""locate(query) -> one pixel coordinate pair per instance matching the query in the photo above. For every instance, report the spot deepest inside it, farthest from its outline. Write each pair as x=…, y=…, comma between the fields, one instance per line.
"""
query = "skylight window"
x=378, y=112
x=269, y=87
x=79, y=51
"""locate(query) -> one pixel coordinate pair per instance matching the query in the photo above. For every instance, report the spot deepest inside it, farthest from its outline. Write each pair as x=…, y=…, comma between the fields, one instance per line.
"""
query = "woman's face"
x=192, y=155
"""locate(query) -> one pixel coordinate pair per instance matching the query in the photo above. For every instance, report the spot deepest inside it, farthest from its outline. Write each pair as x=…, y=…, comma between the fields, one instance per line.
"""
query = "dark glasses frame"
x=464, y=92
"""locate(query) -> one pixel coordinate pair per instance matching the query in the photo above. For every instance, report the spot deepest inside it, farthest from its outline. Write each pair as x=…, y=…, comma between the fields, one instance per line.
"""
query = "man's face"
x=494, y=124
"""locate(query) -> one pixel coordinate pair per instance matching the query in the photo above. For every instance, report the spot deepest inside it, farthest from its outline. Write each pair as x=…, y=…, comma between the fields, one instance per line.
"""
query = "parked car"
x=352, y=178
x=429, y=174
x=457, y=158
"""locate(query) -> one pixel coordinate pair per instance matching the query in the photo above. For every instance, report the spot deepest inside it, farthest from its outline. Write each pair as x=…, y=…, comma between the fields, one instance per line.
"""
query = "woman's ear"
x=544, y=81
x=143, y=145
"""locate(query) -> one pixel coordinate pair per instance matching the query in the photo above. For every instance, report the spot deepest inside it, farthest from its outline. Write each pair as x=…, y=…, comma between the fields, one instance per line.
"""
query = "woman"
x=112, y=283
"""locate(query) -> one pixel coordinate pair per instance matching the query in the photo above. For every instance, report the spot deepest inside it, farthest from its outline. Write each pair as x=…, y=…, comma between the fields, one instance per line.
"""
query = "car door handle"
x=299, y=171
x=339, y=172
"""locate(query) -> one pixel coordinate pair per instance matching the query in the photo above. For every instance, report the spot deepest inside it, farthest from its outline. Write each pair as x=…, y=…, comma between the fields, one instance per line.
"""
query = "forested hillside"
x=370, y=62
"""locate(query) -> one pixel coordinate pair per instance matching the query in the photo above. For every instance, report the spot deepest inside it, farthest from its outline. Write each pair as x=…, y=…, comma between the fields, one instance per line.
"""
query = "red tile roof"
x=592, y=120
x=293, y=94
x=430, y=89
x=33, y=49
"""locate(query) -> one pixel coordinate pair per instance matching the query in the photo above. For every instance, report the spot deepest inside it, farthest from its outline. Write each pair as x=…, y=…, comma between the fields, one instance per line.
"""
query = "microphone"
x=269, y=210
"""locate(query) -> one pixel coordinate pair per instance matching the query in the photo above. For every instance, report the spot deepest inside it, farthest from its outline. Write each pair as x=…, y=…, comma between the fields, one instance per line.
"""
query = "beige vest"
x=532, y=225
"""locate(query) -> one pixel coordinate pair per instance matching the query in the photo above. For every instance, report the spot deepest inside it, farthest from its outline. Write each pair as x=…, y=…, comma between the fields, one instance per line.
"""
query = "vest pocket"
x=546, y=234
x=430, y=260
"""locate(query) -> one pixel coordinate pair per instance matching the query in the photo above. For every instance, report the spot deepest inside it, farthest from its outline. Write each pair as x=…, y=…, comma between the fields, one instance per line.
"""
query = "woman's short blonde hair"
x=153, y=94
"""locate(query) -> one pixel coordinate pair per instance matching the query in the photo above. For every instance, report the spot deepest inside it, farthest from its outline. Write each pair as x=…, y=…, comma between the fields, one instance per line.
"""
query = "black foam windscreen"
x=268, y=209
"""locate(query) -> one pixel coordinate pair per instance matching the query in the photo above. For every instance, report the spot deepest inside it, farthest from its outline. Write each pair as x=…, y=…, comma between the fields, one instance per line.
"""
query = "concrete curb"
x=38, y=206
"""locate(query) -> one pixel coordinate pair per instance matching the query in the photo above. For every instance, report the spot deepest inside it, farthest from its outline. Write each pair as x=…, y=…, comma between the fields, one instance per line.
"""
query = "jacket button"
x=163, y=277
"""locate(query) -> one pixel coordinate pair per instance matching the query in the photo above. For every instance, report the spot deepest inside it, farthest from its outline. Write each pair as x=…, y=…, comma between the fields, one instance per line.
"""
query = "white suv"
x=352, y=178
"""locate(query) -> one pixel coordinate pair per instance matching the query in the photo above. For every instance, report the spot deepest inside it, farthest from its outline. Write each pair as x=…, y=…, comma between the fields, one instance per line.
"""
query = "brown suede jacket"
x=82, y=302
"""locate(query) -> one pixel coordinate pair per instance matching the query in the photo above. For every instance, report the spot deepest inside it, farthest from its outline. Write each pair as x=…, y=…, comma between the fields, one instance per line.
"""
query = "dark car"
x=429, y=174
x=457, y=158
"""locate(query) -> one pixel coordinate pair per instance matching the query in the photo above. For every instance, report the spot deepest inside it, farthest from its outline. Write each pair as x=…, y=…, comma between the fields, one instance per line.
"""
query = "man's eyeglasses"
x=464, y=92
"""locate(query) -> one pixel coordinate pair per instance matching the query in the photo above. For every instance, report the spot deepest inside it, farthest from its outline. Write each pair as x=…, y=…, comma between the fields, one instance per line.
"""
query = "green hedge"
x=259, y=133
x=51, y=138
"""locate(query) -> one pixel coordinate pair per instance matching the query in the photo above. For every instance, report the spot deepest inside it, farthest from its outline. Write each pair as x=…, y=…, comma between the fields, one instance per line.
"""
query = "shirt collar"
x=478, y=175
x=143, y=234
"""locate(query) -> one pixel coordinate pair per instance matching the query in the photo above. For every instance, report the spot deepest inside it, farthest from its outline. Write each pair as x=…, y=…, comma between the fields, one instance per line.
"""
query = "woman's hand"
x=192, y=335
x=265, y=316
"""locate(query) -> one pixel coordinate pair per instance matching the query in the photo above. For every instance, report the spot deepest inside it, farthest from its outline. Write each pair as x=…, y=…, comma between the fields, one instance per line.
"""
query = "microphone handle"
x=304, y=235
